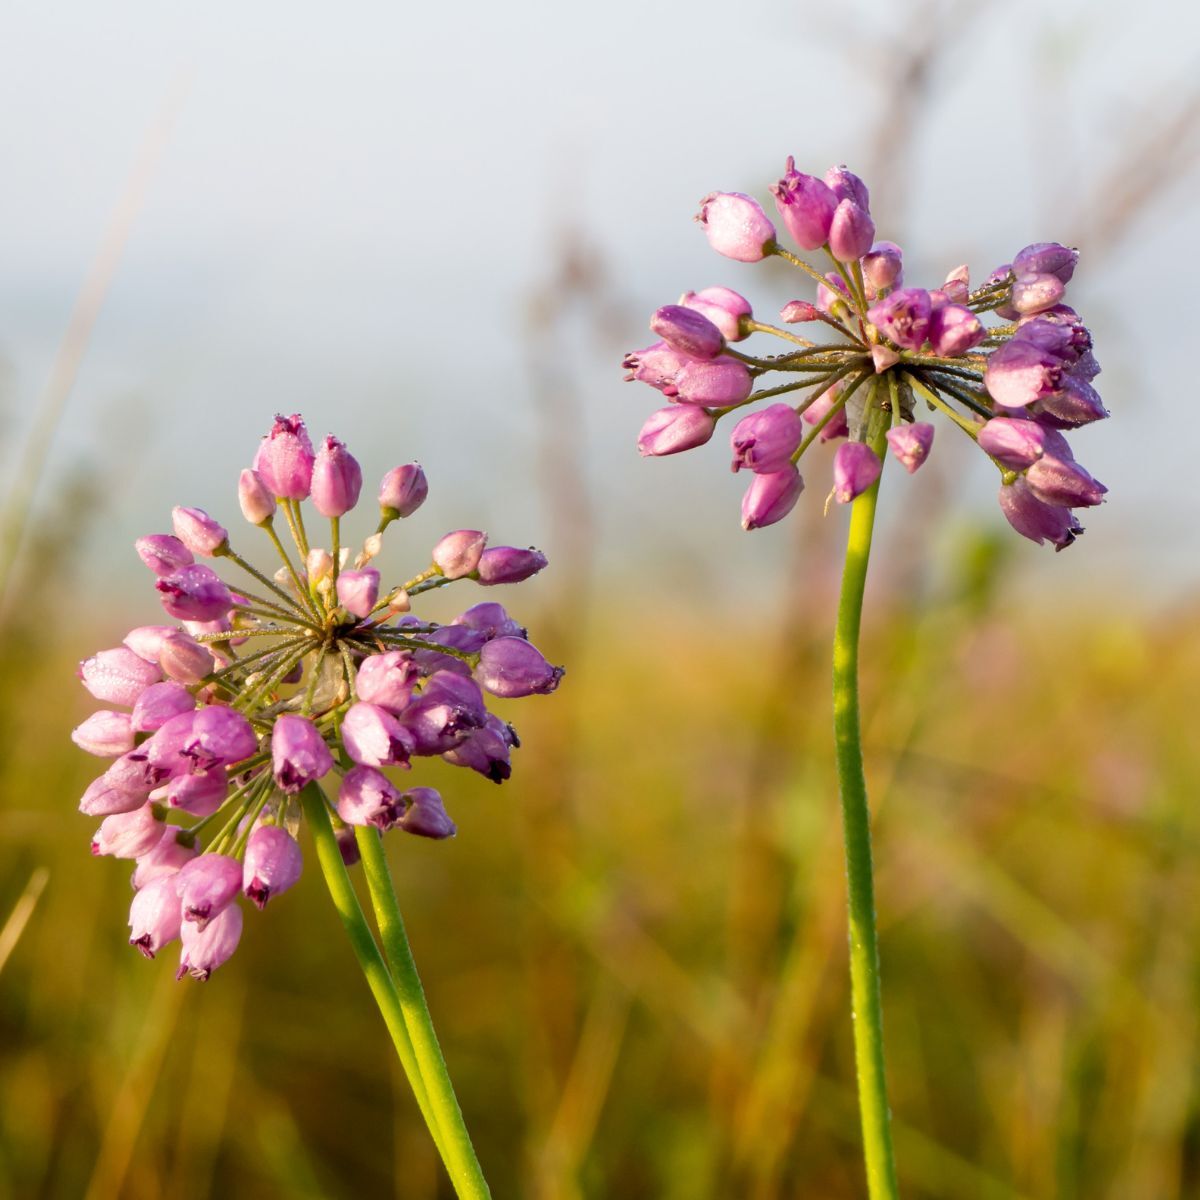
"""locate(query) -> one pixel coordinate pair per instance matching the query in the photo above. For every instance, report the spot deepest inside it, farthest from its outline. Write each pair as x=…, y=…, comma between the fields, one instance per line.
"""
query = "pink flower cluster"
x=264, y=688
x=1012, y=387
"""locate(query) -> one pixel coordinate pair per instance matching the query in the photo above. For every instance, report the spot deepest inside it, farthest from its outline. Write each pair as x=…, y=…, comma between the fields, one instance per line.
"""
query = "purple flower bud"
x=458, y=553
x=425, y=814
x=102, y=798
x=910, y=444
x=819, y=408
x=687, y=331
x=198, y=531
x=845, y=185
x=658, y=365
x=882, y=267
x=736, y=226
x=273, y=864
x=806, y=205
x=456, y=637
x=509, y=564
x=1037, y=521
x=200, y=794
x=194, y=593
x=357, y=591
x=105, y=734
x=298, y=753
x=855, y=468
x=1065, y=484
x=439, y=719
x=1070, y=341
x=154, y=916
x=205, y=949
x=336, y=479
x=403, y=491
x=128, y=834
x=256, y=502
x=770, y=498
x=159, y=703
x=765, y=441
x=1075, y=403
x=207, y=885
x=1018, y=373
x=511, y=666
x=1013, y=443
x=1033, y=293
x=373, y=738
x=958, y=285
x=164, y=858
x=903, y=316
x=367, y=797
x=284, y=460
x=184, y=659
x=675, y=429
x=118, y=676
x=954, y=329
x=347, y=843
x=163, y=553
x=387, y=680
x=1046, y=258
x=794, y=312
x=490, y=619
x=724, y=307
x=851, y=232
x=219, y=737
x=486, y=750
x=717, y=384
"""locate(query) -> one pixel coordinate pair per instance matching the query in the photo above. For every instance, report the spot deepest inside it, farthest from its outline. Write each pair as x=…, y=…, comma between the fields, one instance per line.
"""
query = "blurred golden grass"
x=635, y=949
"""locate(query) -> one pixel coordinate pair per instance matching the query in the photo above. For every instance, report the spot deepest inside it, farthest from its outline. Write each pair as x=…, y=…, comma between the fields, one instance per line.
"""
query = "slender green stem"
x=337, y=880
x=856, y=823
x=301, y=589
x=457, y=1150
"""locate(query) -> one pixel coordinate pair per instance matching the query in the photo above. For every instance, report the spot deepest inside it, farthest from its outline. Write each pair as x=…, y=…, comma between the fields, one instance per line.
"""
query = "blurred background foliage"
x=635, y=949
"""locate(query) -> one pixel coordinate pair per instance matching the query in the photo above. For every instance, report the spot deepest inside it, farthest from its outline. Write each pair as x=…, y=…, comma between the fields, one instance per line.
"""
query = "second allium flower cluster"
x=1012, y=387
x=261, y=690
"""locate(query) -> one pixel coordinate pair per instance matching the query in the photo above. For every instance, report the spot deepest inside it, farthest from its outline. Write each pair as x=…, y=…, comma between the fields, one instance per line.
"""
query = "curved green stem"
x=457, y=1150
x=856, y=825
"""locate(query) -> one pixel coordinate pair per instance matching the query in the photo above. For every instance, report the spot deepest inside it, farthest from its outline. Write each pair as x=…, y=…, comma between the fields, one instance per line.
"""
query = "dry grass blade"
x=10, y=935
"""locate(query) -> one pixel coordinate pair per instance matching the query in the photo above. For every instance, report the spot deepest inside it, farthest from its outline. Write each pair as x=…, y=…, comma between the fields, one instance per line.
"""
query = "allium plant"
x=290, y=698
x=1013, y=387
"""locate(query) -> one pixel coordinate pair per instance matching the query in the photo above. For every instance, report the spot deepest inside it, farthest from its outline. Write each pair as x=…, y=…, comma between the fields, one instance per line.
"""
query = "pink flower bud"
x=770, y=498
x=1075, y=403
x=687, y=331
x=403, y=491
x=765, y=441
x=806, y=205
x=1013, y=444
x=387, y=680
x=273, y=863
x=159, y=703
x=855, y=468
x=336, y=479
x=154, y=916
x=882, y=267
x=845, y=185
x=146, y=640
x=724, y=307
x=736, y=226
x=458, y=553
x=1032, y=293
x=658, y=365
x=200, y=794
x=298, y=753
x=910, y=444
x=1033, y=519
x=510, y=666
x=205, y=949
x=373, y=738
x=851, y=232
x=219, y=737
x=198, y=531
x=105, y=734
x=367, y=797
x=284, y=460
x=954, y=329
x=488, y=618
x=718, y=383
x=102, y=799
x=1019, y=372
x=486, y=750
x=207, y=885
x=357, y=591
x=797, y=311
x=425, y=815
x=128, y=834
x=509, y=564
x=958, y=285
x=194, y=593
x=1048, y=258
x=256, y=502
x=163, y=553
x=165, y=857
x=1065, y=484
x=675, y=429
x=118, y=676
x=184, y=659
x=903, y=317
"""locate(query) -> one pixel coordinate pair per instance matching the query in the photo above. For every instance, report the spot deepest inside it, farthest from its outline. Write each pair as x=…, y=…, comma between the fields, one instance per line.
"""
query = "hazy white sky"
x=354, y=202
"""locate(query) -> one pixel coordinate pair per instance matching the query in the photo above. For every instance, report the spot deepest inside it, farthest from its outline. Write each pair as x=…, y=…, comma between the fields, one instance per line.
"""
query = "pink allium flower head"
x=207, y=948
x=118, y=676
x=373, y=738
x=183, y=659
x=910, y=444
x=163, y=553
x=298, y=753
x=159, y=703
x=403, y=491
x=206, y=885
x=675, y=429
x=1034, y=293
x=368, y=797
x=1065, y=484
x=254, y=499
x=154, y=916
x=765, y=441
x=509, y=564
x=194, y=593
x=953, y=330
x=806, y=205
x=285, y=458
x=1036, y=520
x=198, y=531
x=797, y=311
x=724, y=307
x=165, y=857
x=425, y=815
x=458, y=553
x=845, y=185
x=128, y=834
x=851, y=232
x=357, y=591
x=770, y=498
x=687, y=331
x=1046, y=258
x=718, y=383
x=273, y=863
x=511, y=666
x=387, y=680
x=855, y=468
x=336, y=479
x=903, y=317
x=736, y=226
x=105, y=734
x=882, y=267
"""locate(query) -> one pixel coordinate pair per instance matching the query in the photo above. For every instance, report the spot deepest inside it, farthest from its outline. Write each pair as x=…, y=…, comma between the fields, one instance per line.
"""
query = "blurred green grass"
x=635, y=949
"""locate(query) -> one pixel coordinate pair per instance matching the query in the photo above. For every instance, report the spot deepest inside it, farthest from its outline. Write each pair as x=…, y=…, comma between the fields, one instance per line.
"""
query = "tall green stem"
x=856, y=824
x=457, y=1150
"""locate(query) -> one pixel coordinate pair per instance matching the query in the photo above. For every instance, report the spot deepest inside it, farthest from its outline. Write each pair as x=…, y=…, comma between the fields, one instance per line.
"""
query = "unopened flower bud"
x=128, y=834
x=284, y=460
x=687, y=331
x=855, y=468
x=318, y=565
x=368, y=797
x=371, y=548
x=1038, y=521
x=298, y=753
x=1019, y=372
x=718, y=383
x=159, y=703
x=184, y=659
x=1065, y=484
x=357, y=591
x=118, y=676
x=511, y=666
x=425, y=815
x=1012, y=443
x=509, y=564
x=724, y=307
x=373, y=738
x=882, y=267
x=910, y=444
x=273, y=863
x=851, y=232
x=403, y=491
x=163, y=553
x=1032, y=293
x=833, y=294
x=806, y=205
x=1046, y=258
x=256, y=502
x=200, y=794
x=958, y=284
x=165, y=857
x=154, y=916
x=675, y=429
x=105, y=734
x=797, y=311
x=1073, y=404
x=198, y=531
x=387, y=680
x=336, y=479
x=954, y=329
x=458, y=553
x=769, y=498
x=207, y=885
x=736, y=226
x=146, y=640
x=205, y=949
x=903, y=317
x=765, y=441
x=194, y=593
x=845, y=185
